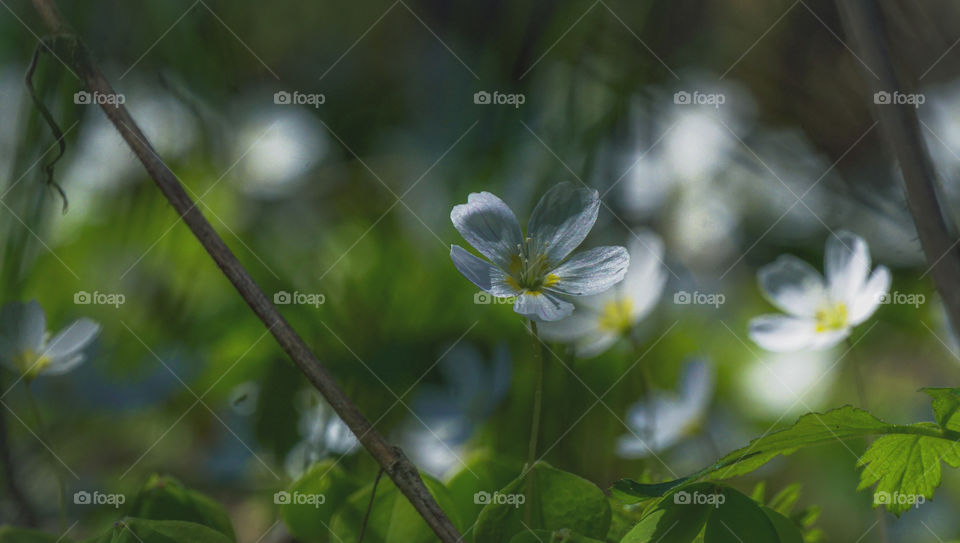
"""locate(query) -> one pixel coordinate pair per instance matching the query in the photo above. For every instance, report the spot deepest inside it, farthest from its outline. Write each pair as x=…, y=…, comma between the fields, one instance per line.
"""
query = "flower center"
x=528, y=272
x=615, y=315
x=831, y=317
x=30, y=363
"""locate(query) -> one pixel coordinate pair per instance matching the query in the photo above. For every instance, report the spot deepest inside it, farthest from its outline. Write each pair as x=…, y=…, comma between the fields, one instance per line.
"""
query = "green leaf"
x=135, y=530
x=560, y=500
x=392, y=518
x=482, y=472
x=810, y=429
x=13, y=534
x=718, y=512
x=546, y=536
x=309, y=520
x=945, y=402
x=906, y=469
x=165, y=498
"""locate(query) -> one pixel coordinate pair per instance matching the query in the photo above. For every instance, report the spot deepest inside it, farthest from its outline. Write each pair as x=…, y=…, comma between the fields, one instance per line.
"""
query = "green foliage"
x=311, y=523
x=560, y=501
x=165, y=498
x=392, y=518
x=546, y=536
x=135, y=530
x=481, y=472
x=712, y=513
x=904, y=463
x=12, y=534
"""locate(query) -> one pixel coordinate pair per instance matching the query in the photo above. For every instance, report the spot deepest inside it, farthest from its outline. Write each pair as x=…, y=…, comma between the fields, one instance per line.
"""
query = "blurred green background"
x=351, y=199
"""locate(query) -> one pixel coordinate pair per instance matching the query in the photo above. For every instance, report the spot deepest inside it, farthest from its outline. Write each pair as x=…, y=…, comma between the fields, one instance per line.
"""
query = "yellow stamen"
x=831, y=317
x=615, y=316
x=30, y=363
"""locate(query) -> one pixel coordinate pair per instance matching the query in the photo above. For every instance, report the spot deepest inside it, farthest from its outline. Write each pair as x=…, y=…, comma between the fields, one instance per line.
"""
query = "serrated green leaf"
x=787, y=531
x=165, y=498
x=906, y=469
x=309, y=521
x=784, y=501
x=810, y=429
x=560, y=500
x=945, y=402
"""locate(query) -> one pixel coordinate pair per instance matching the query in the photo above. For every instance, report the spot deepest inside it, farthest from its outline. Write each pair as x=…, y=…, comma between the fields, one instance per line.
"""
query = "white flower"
x=820, y=313
x=663, y=419
x=324, y=434
x=537, y=268
x=25, y=346
x=602, y=319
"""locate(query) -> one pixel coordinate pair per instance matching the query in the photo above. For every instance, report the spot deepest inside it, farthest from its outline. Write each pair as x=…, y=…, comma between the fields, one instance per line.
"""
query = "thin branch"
x=394, y=463
x=864, y=20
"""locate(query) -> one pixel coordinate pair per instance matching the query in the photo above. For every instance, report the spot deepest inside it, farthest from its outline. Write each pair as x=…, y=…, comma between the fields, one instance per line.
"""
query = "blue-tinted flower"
x=820, y=313
x=663, y=419
x=324, y=433
x=537, y=267
x=26, y=347
x=600, y=320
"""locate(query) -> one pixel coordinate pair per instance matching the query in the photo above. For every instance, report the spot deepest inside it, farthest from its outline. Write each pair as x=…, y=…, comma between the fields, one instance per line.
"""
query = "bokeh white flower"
x=819, y=312
x=662, y=420
x=26, y=346
x=324, y=434
x=536, y=268
x=600, y=320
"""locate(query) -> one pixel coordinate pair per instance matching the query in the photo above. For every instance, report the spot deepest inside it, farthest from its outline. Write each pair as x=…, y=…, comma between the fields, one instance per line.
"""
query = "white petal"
x=59, y=366
x=793, y=286
x=697, y=386
x=72, y=339
x=846, y=264
x=562, y=219
x=542, y=307
x=647, y=275
x=22, y=328
x=868, y=299
x=825, y=340
x=629, y=446
x=481, y=273
x=781, y=333
x=489, y=226
x=592, y=271
x=569, y=329
x=595, y=344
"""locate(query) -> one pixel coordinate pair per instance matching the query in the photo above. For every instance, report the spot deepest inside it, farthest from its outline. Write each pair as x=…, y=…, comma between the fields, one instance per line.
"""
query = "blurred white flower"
x=447, y=415
x=663, y=419
x=277, y=149
x=26, y=347
x=324, y=433
x=602, y=319
x=820, y=313
x=787, y=383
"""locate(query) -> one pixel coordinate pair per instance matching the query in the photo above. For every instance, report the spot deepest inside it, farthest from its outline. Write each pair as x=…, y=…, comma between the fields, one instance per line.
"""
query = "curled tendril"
x=48, y=117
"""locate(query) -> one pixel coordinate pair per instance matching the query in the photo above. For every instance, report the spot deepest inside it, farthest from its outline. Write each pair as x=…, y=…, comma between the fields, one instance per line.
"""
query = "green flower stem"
x=537, y=407
x=646, y=387
x=41, y=432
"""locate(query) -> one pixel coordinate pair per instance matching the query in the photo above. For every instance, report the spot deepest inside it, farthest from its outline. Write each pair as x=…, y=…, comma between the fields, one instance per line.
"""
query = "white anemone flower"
x=602, y=319
x=662, y=420
x=820, y=312
x=26, y=346
x=536, y=268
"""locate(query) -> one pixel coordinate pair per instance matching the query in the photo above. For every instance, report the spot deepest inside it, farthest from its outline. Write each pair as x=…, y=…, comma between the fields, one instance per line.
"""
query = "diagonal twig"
x=391, y=459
